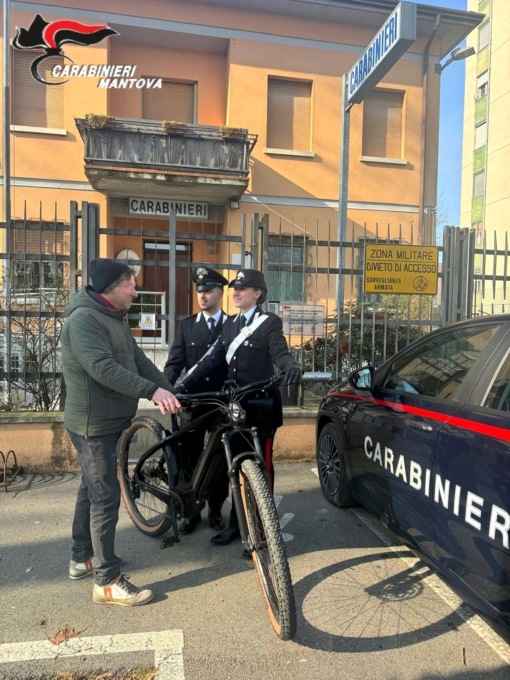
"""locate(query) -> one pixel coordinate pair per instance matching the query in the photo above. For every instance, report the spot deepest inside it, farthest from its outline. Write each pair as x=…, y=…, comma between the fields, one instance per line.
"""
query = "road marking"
x=167, y=646
x=482, y=629
x=283, y=521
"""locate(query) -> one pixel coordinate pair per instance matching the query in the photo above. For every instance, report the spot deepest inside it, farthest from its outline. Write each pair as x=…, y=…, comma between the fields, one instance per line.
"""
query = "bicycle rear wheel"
x=269, y=553
x=148, y=513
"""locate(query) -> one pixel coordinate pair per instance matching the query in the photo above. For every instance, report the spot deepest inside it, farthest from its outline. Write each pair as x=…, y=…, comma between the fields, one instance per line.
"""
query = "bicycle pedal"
x=168, y=542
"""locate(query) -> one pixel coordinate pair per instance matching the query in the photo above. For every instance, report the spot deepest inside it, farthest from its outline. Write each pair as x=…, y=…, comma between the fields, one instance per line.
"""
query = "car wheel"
x=331, y=464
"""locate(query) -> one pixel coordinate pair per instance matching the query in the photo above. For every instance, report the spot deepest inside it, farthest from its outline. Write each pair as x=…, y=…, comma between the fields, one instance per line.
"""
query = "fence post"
x=458, y=274
x=74, y=269
x=255, y=241
x=264, y=243
x=172, y=274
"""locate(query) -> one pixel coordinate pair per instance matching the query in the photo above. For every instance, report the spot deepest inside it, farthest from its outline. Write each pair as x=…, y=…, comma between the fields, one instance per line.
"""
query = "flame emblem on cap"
x=240, y=275
x=202, y=271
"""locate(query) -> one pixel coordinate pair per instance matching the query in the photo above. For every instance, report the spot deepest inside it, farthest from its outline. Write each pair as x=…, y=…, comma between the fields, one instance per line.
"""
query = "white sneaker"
x=121, y=592
x=80, y=569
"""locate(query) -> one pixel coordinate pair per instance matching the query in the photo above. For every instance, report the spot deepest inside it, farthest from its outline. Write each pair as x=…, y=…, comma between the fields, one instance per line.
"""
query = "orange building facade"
x=225, y=110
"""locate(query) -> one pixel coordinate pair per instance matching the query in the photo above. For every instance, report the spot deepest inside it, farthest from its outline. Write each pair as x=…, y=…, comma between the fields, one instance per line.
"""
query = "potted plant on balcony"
x=174, y=126
x=227, y=131
x=97, y=120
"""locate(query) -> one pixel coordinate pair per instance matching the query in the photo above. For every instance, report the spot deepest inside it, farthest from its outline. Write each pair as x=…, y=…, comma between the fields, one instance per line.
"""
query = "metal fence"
x=34, y=291
x=342, y=327
x=353, y=328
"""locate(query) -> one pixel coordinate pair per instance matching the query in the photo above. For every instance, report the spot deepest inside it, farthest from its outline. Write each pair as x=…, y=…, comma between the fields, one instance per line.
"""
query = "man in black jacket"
x=195, y=335
x=251, y=343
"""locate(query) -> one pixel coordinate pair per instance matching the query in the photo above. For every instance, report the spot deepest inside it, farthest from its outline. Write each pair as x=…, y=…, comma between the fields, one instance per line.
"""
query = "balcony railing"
x=123, y=142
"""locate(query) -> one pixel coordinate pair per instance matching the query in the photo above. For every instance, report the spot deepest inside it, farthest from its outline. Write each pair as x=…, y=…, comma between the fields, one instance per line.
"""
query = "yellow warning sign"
x=394, y=269
x=148, y=321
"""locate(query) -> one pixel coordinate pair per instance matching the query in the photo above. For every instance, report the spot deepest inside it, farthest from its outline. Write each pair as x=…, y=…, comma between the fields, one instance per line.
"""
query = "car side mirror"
x=362, y=379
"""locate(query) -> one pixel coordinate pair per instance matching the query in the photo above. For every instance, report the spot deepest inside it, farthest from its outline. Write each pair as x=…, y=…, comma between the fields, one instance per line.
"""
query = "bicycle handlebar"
x=235, y=392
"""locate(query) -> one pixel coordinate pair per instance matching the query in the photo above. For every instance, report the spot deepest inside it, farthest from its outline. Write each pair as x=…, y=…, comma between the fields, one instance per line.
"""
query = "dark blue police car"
x=423, y=442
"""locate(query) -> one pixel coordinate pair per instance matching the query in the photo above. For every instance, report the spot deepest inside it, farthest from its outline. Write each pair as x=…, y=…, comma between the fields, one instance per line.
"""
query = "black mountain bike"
x=157, y=494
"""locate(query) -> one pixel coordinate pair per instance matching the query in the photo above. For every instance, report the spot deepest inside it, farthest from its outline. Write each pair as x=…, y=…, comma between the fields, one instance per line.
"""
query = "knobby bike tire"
x=269, y=553
x=149, y=514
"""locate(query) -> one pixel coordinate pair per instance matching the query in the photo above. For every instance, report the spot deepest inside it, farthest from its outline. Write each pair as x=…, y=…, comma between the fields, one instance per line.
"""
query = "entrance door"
x=155, y=277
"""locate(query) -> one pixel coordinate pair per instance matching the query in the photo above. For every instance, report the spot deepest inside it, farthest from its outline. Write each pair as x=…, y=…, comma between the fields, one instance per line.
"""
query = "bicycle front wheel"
x=148, y=513
x=269, y=553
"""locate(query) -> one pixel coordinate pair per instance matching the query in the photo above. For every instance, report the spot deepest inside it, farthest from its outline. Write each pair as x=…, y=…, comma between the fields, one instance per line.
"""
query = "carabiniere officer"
x=251, y=343
x=195, y=335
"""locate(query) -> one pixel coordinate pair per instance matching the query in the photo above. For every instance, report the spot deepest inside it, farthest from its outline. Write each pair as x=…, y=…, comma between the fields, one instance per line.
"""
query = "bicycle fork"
x=233, y=472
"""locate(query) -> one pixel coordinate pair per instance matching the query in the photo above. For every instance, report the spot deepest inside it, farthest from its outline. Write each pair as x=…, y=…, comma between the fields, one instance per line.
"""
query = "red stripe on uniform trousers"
x=269, y=448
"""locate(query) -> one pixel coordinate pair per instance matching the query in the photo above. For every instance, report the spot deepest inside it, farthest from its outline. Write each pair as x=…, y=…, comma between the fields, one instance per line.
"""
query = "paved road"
x=367, y=608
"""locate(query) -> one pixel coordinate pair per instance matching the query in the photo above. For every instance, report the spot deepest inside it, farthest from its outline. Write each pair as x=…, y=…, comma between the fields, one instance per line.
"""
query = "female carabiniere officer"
x=251, y=343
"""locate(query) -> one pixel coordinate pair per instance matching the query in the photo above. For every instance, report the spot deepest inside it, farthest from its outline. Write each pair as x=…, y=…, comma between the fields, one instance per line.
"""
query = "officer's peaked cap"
x=206, y=279
x=249, y=278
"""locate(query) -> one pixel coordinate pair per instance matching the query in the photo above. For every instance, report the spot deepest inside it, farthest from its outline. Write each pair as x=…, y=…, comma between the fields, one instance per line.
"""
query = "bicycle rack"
x=8, y=474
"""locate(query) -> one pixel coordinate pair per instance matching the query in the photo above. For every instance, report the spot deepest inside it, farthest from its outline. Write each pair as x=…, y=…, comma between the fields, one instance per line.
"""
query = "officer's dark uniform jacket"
x=192, y=340
x=253, y=360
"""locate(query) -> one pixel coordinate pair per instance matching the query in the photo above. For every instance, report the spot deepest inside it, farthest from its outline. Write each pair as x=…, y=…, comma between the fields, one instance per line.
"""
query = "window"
x=437, y=367
x=174, y=101
x=479, y=184
x=484, y=34
x=35, y=104
x=481, y=135
x=33, y=275
x=499, y=392
x=289, y=114
x=382, y=124
x=285, y=276
x=478, y=227
x=482, y=85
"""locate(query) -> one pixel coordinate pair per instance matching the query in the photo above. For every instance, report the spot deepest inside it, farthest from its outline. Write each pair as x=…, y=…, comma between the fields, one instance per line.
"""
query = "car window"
x=498, y=396
x=437, y=367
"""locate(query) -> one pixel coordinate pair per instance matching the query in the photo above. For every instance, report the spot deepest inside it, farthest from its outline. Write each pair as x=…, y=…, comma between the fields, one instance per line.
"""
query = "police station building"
x=220, y=111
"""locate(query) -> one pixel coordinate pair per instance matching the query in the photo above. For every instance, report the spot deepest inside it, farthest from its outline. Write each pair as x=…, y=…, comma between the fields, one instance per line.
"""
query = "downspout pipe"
x=423, y=159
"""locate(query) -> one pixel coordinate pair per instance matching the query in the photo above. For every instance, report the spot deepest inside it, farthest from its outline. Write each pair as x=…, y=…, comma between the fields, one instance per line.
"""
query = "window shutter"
x=288, y=114
x=484, y=34
x=175, y=101
x=33, y=103
x=479, y=184
x=481, y=135
x=382, y=124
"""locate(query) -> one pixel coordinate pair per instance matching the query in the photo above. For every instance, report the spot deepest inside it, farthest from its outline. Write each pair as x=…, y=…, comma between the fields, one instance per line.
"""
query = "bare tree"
x=442, y=217
x=34, y=318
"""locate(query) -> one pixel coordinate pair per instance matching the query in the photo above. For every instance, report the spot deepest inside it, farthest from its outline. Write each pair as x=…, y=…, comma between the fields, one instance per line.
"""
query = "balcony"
x=127, y=157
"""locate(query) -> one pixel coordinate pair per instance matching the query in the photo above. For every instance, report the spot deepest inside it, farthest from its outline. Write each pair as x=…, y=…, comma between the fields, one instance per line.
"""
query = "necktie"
x=211, y=323
x=242, y=322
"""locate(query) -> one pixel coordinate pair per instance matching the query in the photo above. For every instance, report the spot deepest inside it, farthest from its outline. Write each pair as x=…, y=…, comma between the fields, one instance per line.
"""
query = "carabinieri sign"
x=390, y=43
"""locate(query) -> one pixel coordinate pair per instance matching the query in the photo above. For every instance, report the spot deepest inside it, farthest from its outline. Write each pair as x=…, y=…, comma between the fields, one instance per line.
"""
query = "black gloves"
x=181, y=389
x=292, y=375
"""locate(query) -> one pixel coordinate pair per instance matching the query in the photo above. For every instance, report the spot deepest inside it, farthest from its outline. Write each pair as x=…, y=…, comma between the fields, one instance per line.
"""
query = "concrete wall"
x=41, y=443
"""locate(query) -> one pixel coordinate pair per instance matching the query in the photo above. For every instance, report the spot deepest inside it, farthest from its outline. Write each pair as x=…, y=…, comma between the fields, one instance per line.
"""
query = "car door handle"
x=418, y=425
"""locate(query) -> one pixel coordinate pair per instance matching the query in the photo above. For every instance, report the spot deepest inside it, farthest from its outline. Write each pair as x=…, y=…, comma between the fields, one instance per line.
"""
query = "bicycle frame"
x=216, y=452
